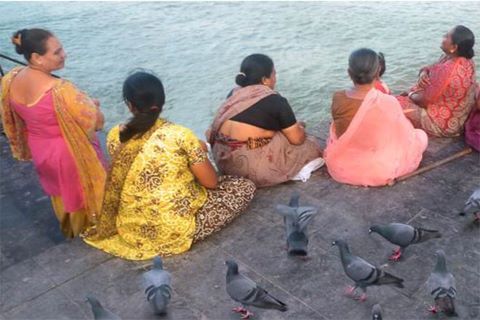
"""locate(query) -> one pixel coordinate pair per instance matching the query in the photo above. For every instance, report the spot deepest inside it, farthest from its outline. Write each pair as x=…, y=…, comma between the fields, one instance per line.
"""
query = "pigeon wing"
x=242, y=289
x=401, y=234
x=358, y=269
x=156, y=278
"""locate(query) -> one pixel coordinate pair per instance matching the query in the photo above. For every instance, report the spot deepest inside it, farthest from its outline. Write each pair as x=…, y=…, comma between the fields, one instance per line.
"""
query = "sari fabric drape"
x=379, y=145
x=450, y=97
x=76, y=115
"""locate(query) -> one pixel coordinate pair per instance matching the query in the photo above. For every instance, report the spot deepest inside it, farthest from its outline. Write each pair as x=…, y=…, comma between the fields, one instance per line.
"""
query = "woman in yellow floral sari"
x=162, y=192
x=51, y=122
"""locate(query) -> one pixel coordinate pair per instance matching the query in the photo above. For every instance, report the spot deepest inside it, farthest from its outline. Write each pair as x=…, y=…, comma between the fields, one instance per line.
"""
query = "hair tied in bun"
x=17, y=40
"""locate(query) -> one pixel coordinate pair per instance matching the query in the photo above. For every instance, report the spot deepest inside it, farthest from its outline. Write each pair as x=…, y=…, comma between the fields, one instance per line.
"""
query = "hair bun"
x=241, y=79
x=17, y=41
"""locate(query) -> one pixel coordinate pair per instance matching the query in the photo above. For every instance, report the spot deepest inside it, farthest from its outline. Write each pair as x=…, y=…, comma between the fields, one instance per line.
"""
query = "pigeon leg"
x=432, y=309
x=363, y=296
x=477, y=217
x=247, y=314
x=350, y=291
x=239, y=310
x=397, y=253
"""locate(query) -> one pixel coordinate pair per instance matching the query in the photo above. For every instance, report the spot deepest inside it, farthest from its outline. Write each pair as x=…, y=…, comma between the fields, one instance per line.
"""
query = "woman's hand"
x=424, y=80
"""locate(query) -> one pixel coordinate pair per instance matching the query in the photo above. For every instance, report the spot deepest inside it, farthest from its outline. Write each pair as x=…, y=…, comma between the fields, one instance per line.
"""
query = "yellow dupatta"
x=76, y=114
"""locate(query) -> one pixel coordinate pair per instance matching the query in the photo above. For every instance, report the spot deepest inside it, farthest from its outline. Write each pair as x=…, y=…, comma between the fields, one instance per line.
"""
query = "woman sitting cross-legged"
x=255, y=133
x=445, y=93
x=371, y=141
x=162, y=192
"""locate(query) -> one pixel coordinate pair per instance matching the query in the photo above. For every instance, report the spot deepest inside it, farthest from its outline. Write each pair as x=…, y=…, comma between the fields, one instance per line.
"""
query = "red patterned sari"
x=450, y=97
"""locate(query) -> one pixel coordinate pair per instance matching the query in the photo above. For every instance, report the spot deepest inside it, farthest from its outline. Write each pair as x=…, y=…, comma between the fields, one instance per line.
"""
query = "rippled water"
x=196, y=48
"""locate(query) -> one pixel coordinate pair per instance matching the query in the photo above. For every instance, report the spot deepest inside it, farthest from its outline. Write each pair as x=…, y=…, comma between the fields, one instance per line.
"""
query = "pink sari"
x=379, y=145
x=450, y=97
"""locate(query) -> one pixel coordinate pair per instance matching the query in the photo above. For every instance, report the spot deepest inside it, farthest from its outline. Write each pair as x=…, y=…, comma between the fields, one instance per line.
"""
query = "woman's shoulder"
x=171, y=130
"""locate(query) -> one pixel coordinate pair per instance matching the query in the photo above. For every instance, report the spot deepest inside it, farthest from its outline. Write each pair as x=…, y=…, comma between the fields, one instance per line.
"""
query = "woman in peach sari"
x=371, y=141
x=51, y=122
x=442, y=99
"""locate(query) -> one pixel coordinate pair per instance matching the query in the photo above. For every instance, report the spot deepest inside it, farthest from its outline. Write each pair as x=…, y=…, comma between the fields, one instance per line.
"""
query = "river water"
x=196, y=48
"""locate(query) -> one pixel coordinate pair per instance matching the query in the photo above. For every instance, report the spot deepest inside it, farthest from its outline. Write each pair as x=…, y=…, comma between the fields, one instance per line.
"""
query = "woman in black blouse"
x=255, y=133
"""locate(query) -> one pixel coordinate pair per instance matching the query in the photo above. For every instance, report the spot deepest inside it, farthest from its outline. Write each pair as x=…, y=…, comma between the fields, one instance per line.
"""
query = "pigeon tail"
x=159, y=298
x=267, y=301
x=422, y=235
x=294, y=200
x=297, y=244
x=447, y=305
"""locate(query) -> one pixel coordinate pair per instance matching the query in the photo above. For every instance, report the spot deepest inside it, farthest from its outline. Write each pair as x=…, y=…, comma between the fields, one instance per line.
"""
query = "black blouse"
x=271, y=113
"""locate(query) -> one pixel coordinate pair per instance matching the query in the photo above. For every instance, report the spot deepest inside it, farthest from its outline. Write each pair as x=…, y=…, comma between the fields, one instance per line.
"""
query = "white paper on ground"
x=307, y=170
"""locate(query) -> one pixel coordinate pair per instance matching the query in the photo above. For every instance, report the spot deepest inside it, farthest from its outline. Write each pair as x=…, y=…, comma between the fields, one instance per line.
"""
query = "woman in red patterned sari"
x=442, y=99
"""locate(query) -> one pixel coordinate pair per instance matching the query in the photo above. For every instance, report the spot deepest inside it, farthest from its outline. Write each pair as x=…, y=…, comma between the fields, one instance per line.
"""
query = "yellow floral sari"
x=151, y=196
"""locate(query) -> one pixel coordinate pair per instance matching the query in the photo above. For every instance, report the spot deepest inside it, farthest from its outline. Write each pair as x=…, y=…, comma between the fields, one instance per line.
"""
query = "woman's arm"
x=205, y=174
x=418, y=98
x=204, y=171
x=295, y=134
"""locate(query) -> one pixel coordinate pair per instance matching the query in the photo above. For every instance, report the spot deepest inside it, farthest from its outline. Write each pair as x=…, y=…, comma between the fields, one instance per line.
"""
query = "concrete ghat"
x=45, y=277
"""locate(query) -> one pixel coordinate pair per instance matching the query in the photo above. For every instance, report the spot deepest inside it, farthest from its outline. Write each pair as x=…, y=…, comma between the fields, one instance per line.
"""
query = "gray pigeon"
x=473, y=205
x=244, y=290
x=99, y=312
x=296, y=220
x=377, y=312
x=363, y=273
x=403, y=235
x=441, y=285
x=156, y=284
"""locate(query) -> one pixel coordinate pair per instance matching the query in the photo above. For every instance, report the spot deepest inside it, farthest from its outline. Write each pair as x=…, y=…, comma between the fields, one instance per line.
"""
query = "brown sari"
x=266, y=162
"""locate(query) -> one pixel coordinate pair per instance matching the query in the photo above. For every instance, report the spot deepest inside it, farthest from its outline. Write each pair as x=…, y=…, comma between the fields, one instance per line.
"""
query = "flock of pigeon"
x=440, y=284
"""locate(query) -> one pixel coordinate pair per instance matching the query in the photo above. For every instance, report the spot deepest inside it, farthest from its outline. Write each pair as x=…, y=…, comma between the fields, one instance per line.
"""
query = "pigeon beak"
x=369, y=231
x=333, y=243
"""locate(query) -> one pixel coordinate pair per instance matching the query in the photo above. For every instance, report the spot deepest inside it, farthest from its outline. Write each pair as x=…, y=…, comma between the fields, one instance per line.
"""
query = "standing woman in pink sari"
x=51, y=122
x=442, y=99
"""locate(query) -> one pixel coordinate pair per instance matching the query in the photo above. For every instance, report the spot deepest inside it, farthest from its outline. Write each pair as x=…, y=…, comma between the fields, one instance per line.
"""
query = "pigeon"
x=441, y=285
x=244, y=290
x=403, y=235
x=363, y=273
x=156, y=283
x=296, y=220
x=99, y=312
x=473, y=205
x=376, y=312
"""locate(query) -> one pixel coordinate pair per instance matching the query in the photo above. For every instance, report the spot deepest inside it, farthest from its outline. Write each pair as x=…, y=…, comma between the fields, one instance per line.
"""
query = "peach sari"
x=380, y=144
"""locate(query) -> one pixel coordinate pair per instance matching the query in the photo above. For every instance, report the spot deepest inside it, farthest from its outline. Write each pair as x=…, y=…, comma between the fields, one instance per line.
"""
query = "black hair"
x=30, y=41
x=363, y=66
x=145, y=93
x=464, y=39
x=381, y=61
x=253, y=69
